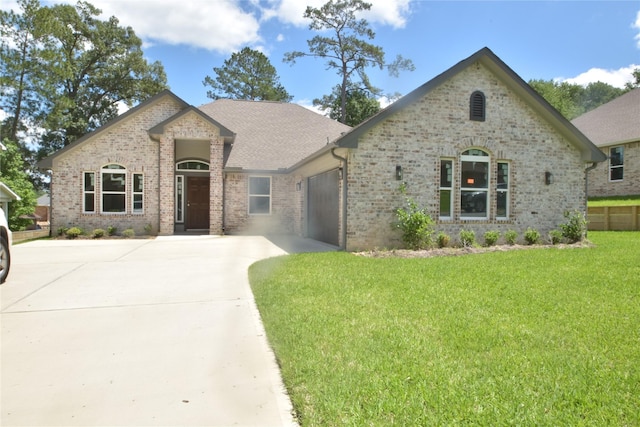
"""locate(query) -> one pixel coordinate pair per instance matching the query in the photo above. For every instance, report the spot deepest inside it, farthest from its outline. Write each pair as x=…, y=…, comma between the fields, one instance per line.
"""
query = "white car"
x=5, y=247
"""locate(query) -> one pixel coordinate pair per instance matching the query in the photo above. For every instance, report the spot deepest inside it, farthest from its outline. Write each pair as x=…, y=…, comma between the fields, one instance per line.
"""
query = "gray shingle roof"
x=617, y=121
x=272, y=135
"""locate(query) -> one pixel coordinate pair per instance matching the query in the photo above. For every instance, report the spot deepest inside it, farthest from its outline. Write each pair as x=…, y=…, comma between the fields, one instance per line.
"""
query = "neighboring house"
x=475, y=145
x=615, y=128
x=42, y=210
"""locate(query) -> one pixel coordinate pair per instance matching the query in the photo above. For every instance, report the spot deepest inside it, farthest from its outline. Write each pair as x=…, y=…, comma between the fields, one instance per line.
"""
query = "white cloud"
x=616, y=78
x=636, y=25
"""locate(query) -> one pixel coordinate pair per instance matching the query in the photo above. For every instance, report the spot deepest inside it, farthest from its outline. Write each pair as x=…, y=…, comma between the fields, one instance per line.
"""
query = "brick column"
x=216, y=149
x=166, y=186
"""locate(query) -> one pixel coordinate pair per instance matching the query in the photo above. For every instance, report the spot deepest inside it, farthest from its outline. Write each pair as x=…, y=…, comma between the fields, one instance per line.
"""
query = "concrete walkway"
x=139, y=332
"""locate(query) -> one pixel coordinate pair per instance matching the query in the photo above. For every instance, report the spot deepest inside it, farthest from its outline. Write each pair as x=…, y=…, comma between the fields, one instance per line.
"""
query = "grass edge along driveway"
x=534, y=337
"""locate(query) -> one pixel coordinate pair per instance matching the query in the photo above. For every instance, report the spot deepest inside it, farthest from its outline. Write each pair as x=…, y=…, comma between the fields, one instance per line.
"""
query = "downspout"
x=344, y=162
x=224, y=198
x=586, y=193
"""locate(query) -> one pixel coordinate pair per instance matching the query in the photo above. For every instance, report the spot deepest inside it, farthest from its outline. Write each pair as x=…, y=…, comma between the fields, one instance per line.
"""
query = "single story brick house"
x=475, y=145
x=614, y=127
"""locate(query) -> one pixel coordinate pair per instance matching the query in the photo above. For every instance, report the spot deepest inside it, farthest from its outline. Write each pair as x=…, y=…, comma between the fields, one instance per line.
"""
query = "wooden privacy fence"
x=619, y=218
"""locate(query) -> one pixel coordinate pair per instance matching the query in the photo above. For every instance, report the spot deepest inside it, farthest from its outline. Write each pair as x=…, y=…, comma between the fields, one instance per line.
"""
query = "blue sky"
x=579, y=41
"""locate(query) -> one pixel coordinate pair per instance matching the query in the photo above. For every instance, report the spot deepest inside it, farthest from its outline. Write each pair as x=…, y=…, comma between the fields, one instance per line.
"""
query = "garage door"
x=323, y=210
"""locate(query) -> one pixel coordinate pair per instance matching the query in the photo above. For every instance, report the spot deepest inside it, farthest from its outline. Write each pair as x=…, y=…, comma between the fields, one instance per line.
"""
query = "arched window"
x=193, y=166
x=114, y=187
x=477, y=106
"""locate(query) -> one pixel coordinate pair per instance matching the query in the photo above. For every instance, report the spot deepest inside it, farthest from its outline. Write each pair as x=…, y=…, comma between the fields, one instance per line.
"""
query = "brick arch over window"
x=477, y=106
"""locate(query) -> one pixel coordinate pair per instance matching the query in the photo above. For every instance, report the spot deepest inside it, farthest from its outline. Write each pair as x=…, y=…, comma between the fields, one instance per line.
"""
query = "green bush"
x=414, y=223
x=511, y=236
x=148, y=228
x=98, y=233
x=111, y=230
x=73, y=232
x=467, y=238
x=128, y=233
x=555, y=236
x=62, y=231
x=575, y=229
x=491, y=237
x=531, y=236
x=443, y=240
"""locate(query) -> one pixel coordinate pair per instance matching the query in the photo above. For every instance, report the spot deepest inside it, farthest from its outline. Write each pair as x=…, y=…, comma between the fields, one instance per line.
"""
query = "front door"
x=197, y=202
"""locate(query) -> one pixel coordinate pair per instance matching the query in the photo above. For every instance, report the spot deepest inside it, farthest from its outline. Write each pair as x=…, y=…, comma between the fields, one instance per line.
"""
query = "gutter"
x=344, y=196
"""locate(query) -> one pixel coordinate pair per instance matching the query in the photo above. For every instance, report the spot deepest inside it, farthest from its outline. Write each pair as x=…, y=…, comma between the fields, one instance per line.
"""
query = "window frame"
x=450, y=188
x=617, y=167
x=135, y=193
x=506, y=191
x=107, y=170
x=192, y=162
x=86, y=192
x=484, y=159
x=180, y=189
x=252, y=196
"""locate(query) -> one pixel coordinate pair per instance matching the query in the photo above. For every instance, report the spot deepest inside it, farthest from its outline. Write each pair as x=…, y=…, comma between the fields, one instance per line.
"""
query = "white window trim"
x=179, y=200
x=85, y=192
x=249, y=195
x=451, y=189
x=192, y=170
x=507, y=190
x=616, y=166
x=104, y=171
x=134, y=193
x=476, y=159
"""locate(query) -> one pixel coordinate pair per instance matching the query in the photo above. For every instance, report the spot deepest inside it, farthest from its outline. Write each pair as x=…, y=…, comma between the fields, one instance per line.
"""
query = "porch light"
x=548, y=178
x=398, y=173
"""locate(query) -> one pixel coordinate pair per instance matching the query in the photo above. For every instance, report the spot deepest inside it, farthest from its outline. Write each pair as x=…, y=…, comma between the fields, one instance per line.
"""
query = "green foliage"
x=414, y=223
x=111, y=230
x=575, y=229
x=128, y=233
x=531, y=236
x=629, y=200
x=248, y=74
x=360, y=104
x=443, y=239
x=13, y=174
x=61, y=231
x=342, y=42
x=555, y=236
x=73, y=232
x=467, y=238
x=491, y=237
x=511, y=236
x=148, y=228
x=98, y=233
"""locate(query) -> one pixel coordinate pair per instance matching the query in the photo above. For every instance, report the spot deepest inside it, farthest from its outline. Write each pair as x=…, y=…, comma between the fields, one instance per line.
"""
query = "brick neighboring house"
x=614, y=127
x=475, y=145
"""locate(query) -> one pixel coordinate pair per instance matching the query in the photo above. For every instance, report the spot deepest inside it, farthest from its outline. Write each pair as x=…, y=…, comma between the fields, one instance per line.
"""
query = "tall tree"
x=247, y=74
x=564, y=97
x=346, y=50
x=360, y=104
x=13, y=174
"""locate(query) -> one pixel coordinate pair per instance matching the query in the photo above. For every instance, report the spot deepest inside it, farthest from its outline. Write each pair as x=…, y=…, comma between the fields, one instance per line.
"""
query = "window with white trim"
x=616, y=163
x=88, y=192
x=193, y=166
x=502, y=191
x=474, y=184
x=114, y=187
x=137, y=193
x=180, y=198
x=446, y=188
x=259, y=195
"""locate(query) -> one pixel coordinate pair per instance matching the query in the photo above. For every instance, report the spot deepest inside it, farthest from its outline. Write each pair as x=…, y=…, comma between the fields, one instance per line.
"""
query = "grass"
x=535, y=337
x=614, y=201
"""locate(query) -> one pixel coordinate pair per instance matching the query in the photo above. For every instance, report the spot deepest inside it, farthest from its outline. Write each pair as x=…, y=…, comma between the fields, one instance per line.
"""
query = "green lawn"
x=614, y=201
x=533, y=337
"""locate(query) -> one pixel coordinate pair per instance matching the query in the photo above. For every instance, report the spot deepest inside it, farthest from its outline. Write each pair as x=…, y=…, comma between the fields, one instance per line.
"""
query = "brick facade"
x=599, y=183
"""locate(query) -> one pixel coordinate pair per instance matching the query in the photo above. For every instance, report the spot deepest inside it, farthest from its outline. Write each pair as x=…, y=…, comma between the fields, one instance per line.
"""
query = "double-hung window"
x=89, y=192
x=446, y=188
x=474, y=185
x=137, y=193
x=114, y=186
x=259, y=195
x=616, y=163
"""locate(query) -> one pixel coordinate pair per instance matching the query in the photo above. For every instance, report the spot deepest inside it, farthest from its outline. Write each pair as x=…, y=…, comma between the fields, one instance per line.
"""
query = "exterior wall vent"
x=477, y=106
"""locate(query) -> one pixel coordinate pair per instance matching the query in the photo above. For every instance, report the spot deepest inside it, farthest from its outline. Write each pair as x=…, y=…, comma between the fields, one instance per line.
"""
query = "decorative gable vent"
x=477, y=106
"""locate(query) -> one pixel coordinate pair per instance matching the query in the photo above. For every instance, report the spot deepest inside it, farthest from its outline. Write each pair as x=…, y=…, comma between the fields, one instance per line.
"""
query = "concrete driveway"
x=139, y=332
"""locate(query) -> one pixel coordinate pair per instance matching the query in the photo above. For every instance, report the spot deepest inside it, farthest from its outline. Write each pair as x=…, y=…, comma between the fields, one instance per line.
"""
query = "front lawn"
x=614, y=201
x=532, y=337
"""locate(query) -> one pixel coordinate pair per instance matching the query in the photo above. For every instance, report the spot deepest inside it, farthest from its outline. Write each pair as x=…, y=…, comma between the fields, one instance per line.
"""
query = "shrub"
x=467, y=238
x=416, y=225
x=511, y=236
x=62, y=231
x=575, y=229
x=443, y=240
x=555, y=236
x=491, y=237
x=73, y=232
x=128, y=233
x=531, y=236
x=148, y=228
x=111, y=230
x=98, y=233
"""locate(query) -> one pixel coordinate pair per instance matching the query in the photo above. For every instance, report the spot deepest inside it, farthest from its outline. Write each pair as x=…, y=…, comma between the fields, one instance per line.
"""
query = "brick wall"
x=599, y=184
x=438, y=126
